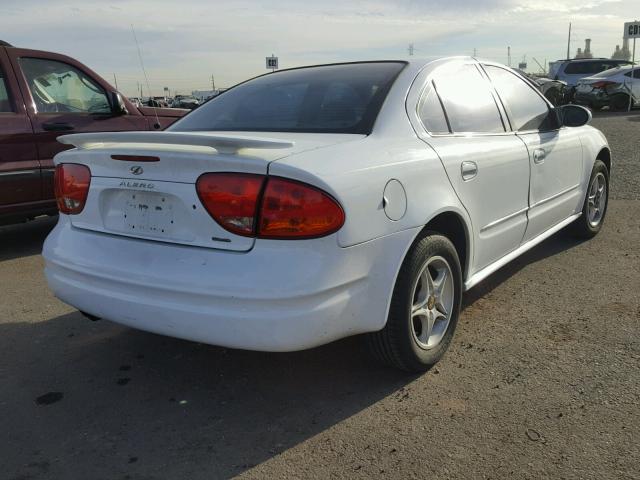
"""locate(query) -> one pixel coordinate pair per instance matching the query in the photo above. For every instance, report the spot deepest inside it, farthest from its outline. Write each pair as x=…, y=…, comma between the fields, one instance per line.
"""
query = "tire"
x=590, y=222
x=619, y=103
x=407, y=342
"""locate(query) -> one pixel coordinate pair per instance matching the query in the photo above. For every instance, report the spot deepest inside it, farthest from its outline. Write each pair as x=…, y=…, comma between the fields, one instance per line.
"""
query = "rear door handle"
x=57, y=126
x=539, y=156
x=468, y=170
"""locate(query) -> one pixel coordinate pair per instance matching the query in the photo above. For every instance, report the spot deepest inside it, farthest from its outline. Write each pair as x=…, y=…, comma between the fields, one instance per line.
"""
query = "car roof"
x=587, y=60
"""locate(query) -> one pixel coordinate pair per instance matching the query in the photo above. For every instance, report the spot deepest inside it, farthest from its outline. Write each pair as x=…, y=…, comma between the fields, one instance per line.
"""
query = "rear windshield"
x=611, y=72
x=343, y=98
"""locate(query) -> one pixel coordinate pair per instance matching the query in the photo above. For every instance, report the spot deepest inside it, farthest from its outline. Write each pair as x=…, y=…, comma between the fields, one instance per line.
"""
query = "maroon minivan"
x=44, y=95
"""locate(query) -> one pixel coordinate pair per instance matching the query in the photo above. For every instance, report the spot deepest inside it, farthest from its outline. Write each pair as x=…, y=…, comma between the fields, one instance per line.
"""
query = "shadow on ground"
x=24, y=239
x=114, y=402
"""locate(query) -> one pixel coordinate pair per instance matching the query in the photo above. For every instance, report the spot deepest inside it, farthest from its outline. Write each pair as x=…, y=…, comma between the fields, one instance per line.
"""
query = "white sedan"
x=316, y=203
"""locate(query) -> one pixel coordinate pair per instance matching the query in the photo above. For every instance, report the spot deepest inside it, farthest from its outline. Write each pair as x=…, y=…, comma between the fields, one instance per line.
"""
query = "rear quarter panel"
x=593, y=142
x=356, y=174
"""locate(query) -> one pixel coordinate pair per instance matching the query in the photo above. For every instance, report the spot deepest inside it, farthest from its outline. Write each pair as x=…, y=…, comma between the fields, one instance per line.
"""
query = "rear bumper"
x=280, y=296
x=594, y=100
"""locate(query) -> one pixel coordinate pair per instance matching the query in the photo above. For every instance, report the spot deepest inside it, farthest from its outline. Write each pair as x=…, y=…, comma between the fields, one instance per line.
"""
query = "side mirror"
x=573, y=115
x=118, y=106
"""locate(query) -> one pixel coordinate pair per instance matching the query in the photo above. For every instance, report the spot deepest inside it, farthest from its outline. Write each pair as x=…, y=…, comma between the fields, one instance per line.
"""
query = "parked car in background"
x=43, y=95
x=158, y=102
x=613, y=88
x=554, y=90
x=135, y=101
x=572, y=70
x=311, y=204
x=185, y=101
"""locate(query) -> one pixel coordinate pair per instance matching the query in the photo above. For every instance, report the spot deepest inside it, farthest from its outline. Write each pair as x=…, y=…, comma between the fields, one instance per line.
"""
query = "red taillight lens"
x=284, y=209
x=71, y=183
x=231, y=199
x=292, y=209
x=603, y=84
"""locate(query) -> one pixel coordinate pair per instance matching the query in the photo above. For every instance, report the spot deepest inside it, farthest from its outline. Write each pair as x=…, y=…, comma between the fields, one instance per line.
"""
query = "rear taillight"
x=268, y=207
x=71, y=182
x=292, y=209
x=231, y=199
x=603, y=84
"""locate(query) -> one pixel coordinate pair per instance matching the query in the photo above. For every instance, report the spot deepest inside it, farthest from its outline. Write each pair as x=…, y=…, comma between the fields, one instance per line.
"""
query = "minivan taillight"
x=269, y=207
x=71, y=182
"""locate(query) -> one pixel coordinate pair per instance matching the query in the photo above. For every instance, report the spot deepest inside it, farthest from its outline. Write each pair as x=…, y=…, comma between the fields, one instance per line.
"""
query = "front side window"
x=527, y=109
x=468, y=101
x=327, y=99
x=5, y=103
x=58, y=87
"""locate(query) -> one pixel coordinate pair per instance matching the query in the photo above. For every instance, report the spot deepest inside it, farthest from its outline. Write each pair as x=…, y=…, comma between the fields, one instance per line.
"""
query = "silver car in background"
x=610, y=88
x=572, y=70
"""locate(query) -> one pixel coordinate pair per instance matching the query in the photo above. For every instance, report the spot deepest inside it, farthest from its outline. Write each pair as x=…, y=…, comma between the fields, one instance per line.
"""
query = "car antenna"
x=146, y=79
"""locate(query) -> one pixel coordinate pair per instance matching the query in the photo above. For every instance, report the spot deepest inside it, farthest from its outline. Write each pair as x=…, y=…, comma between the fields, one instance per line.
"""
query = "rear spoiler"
x=221, y=143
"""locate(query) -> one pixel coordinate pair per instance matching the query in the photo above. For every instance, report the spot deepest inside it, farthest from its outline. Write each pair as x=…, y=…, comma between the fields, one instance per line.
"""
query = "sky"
x=185, y=42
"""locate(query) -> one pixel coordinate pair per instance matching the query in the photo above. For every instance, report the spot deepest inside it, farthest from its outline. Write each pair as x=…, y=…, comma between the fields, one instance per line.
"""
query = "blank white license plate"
x=149, y=214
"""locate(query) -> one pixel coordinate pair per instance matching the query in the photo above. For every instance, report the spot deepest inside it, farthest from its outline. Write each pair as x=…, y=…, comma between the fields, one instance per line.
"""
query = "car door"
x=555, y=154
x=62, y=97
x=488, y=166
x=632, y=81
x=19, y=167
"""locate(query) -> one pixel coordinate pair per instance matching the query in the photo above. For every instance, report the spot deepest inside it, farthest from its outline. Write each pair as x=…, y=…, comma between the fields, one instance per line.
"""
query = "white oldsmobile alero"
x=315, y=203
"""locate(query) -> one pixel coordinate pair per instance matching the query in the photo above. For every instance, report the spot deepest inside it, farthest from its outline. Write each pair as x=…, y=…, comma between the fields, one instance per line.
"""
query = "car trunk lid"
x=143, y=183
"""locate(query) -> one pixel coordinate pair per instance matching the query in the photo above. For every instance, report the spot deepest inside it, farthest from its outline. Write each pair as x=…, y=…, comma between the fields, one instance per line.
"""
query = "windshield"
x=344, y=98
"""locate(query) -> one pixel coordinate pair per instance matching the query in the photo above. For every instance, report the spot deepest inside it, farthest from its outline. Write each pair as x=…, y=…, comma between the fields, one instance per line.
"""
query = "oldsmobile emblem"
x=136, y=170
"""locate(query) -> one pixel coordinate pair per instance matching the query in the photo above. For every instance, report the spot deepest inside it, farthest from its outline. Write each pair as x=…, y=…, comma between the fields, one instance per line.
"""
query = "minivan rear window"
x=574, y=68
x=341, y=98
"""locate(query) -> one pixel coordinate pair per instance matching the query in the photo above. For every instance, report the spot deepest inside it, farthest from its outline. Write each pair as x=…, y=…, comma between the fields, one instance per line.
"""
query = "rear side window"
x=342, y=98
x=431, y=113
x=636, y=73
x=5, y=103
x=527, y=110
x=468, y=101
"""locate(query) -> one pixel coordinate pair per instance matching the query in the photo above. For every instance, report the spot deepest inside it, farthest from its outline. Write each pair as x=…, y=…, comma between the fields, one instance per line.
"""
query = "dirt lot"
x=543, y=380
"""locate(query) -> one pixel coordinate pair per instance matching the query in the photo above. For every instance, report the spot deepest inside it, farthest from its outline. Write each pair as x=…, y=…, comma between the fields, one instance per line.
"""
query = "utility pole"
x=410, y=49
x=213, y=83
x=509, y=56
x=115, y=80
x=569, y=43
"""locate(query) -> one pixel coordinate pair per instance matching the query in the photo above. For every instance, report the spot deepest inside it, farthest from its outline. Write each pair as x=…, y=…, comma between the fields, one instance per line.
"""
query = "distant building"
x=587, y=50
x=622, y=53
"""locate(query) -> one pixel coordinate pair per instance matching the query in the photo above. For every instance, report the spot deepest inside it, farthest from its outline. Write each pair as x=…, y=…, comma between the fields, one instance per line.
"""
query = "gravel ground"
x=542, y=380
x=623, y=133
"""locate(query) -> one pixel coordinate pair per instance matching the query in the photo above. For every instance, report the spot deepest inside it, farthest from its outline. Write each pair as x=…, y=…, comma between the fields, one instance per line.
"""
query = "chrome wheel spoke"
x=419, y=311
x=440, y=310
x=439, y=282
x=426, y=327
